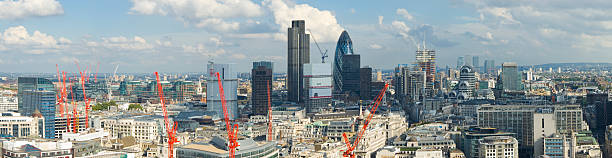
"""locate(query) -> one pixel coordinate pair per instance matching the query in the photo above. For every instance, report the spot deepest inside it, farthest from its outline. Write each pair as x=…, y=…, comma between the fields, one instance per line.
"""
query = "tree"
x=134, y=107
x=103, y=105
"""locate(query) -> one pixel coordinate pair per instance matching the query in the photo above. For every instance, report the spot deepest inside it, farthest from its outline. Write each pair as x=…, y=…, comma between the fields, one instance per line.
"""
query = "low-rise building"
x=37, y=148
x=498, y=147
x=15, y=125
x=217, y=147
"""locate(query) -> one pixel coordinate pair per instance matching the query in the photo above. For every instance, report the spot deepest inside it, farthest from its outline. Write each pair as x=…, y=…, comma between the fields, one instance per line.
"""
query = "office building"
x=476, y=63
x=298, y=54
x=229, y=80
x=470, y=139
x=318, y=82
x=144, y=128
x=37, y=94
x=410, y=85
x=531, y=123
x=460, y=61
x=346, y=66
x=556, y=146
x=498, y=147
x=489, y=67
x=467, y=84
x=8, y=104
x=365, y=79
x=261, y=82
x=37, y=148
x=13, y=125
x=426, y=62
x=510, y=77
x=62, y=126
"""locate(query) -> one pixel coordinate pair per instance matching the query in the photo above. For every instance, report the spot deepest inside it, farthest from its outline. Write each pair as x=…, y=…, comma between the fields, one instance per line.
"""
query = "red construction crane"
x=170, y=130
x=269, y=114
x=232, y=132
x=349, y=148
x=87, y=100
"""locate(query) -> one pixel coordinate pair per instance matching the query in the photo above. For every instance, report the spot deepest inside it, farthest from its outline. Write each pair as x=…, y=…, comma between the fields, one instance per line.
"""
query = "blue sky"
x=179, y=36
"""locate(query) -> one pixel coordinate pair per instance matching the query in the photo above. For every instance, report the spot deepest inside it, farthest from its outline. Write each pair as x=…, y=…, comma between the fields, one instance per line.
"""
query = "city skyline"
x=167, y=36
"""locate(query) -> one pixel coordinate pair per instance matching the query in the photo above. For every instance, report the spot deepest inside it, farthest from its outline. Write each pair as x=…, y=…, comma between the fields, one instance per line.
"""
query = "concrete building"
x=510, y=77
x=556, y=146
x=217, y=147
x=144, y=128
x=15, y=125
x=466, y=87
x=261, y=80
x=229, y=81
x=426, y=62
x=318, y=83
x=8, y=104
x=61, y=124
x=298, y=54
x=470, y=139
x=37, y=148
x=498, y=147
x=531, y=123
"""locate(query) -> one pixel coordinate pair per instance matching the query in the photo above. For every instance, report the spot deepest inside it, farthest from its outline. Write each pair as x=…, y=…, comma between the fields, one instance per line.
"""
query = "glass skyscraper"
x=37, y=94
x=341, y=68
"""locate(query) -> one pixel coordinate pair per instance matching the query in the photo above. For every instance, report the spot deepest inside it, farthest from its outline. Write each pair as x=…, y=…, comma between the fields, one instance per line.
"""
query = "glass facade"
x=343, y=47
x=38, y=94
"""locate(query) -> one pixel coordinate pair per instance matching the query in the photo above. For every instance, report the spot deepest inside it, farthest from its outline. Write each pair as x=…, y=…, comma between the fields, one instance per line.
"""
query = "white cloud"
x=18, y=38
x=380, y=20
x=19, y=9
x=322, y=23
x=353, y=11
x=503, y=13
x=238, y=56
x=404, y=13
x=375, y=46
x=122, y=43
x=401, y=28
x=212, y=14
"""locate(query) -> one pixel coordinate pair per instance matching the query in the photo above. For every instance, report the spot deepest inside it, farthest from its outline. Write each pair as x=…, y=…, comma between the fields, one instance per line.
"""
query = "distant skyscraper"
x=409, y=84
x=230, y=86
x=365, y=83
x=38, y=95
x=378, y=75
x=468, y=60
x=426, y=61
x=489, y=67
x=261, y=80
x=460, y=62
x=318, y=80
x=344, y=48
x=476, y=64
x=510, y=77
x=298, y=54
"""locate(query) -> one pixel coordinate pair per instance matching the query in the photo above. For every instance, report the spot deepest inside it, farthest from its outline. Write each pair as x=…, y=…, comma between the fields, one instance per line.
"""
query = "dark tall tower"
x=261, y=80
x=298, y=54
x=365, y=77
x=350, y=74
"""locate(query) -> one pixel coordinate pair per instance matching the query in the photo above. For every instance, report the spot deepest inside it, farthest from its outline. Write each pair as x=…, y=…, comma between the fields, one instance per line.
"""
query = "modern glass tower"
x=511, y=80
x=298, y=54
x=37, y=94
x=344, y=47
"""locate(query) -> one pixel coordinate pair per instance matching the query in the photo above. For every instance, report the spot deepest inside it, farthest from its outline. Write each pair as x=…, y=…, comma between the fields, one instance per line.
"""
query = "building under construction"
x=426, y=61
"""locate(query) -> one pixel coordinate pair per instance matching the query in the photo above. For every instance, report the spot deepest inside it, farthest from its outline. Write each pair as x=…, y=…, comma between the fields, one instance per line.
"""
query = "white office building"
x=229, y=81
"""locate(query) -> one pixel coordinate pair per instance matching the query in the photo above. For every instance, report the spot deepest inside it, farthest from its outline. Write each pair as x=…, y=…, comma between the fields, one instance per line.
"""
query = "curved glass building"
x=346, y=64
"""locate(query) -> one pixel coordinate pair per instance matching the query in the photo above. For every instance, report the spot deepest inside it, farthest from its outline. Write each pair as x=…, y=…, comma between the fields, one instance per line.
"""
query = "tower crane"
x=170, y=129
x=232, y=132
x=350, y=147
x=323, y=54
